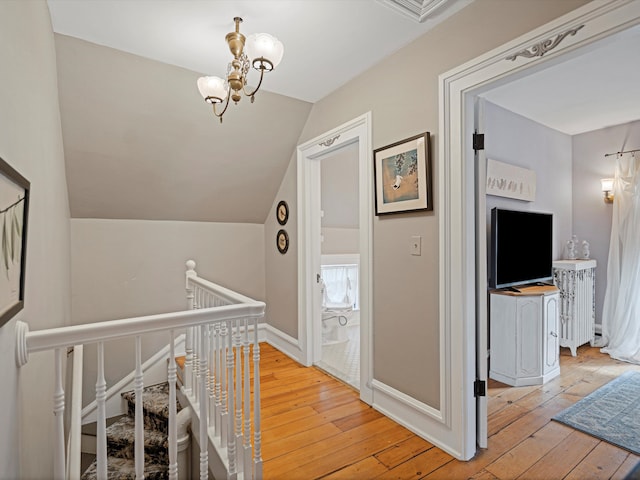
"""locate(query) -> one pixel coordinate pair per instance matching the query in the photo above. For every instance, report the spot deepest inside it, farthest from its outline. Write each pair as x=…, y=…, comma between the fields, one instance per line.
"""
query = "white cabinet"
x=576, y=280
x=523, y=336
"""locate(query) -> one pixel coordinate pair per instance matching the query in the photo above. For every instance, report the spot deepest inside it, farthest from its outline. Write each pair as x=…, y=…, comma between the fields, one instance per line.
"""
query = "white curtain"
x=621, y=309
x=340, y=285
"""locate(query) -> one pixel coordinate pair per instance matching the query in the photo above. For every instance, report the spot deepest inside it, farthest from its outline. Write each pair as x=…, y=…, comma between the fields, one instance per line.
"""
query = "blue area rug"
x=611, y=413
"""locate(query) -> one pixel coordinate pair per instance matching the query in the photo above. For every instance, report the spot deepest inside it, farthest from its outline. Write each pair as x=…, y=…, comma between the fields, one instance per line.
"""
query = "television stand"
x=523, y=335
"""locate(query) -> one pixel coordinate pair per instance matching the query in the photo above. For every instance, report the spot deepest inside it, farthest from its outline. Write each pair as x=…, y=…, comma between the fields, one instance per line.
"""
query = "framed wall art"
x=402, y=174
x=14, y=212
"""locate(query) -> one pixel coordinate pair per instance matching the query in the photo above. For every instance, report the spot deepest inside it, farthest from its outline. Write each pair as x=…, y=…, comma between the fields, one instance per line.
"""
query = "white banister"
x=173, y=433
x=216, y=387
x=58, y=411
x=101, y=424
x=139, y=418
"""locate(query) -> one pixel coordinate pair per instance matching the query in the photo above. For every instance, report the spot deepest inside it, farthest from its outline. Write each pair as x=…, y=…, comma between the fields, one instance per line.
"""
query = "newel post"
x=22, y=352
x=188, y=343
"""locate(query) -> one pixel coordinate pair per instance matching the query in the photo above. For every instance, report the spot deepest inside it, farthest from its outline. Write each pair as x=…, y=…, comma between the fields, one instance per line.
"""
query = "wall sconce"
x=607, y=188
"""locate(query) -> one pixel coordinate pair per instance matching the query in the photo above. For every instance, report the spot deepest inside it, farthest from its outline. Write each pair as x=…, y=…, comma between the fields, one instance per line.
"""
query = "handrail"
x=29, y=342
x=219, y=358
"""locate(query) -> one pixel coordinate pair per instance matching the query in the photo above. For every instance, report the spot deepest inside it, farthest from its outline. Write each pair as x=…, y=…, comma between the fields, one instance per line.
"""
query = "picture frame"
x=14, y=214
x=282, y=241
x=282, y=212
x=402, y=176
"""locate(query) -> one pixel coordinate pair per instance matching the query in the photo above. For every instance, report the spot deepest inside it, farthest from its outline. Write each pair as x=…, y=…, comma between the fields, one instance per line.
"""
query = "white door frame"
x=308, y=156
x=556, y=42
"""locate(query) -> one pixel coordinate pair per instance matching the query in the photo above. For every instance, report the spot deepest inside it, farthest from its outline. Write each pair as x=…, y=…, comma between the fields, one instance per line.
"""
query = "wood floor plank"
x=276, y=447
x=316, y=427
x=517, y=460
x=601, y=463
x=348, y=455
x=370, y=467
x=629, y=464
x=418, y=466
x=559, y=461
x=403, y=451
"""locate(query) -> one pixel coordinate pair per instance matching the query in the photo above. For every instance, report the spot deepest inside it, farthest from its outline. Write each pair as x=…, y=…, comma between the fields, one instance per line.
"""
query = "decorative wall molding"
x=540, y=48
x=329, y=141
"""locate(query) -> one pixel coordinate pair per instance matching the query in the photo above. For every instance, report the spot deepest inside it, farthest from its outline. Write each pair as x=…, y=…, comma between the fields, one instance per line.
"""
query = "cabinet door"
x=551, y=347
x=529, y=336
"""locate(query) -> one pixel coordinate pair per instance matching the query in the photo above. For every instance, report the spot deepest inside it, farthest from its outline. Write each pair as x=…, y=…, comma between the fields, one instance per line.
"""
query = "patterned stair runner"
x=121, y=434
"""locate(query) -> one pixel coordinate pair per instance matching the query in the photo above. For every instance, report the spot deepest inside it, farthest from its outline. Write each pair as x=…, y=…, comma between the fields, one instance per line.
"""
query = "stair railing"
x=232, y=313
x=218, y=374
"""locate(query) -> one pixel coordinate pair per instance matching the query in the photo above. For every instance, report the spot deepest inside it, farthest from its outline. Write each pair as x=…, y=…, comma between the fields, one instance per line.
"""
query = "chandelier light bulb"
x=213, y=89
x=261, y=47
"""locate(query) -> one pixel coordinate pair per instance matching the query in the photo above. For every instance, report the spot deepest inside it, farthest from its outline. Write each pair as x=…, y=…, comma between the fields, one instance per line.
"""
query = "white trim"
x=422, y=419
x=283, y=342
x=356, y=130
x=154, y=371
x=455, y=178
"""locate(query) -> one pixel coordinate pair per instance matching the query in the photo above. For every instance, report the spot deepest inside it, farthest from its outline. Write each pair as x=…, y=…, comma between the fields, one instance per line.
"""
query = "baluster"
x=257, y=435
x=139, y=418
x=204, y=438
x=58, y=412
x=231, y=441
x=188, y=343
x=218, y=373
x=246, y=437
x=237, y=351
x=223, y=385
x=196, y=363
x=212, y=376
x=101, y=424
x=173, y=435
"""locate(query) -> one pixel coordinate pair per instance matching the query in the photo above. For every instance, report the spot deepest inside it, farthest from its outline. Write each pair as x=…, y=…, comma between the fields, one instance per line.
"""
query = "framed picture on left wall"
x=14, y=213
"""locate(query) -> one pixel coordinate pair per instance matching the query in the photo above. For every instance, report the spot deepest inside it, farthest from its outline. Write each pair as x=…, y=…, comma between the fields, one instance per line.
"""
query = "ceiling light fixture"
x=263, y=52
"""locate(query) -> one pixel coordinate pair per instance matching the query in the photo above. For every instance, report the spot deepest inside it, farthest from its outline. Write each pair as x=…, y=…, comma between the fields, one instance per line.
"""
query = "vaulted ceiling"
x=139, y=141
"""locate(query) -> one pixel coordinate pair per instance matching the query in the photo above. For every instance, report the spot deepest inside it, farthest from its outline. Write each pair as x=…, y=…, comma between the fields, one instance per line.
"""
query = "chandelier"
x=263, y=52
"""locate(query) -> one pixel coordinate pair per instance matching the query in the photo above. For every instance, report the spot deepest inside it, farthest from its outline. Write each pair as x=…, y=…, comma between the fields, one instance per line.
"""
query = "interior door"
x=482, y=332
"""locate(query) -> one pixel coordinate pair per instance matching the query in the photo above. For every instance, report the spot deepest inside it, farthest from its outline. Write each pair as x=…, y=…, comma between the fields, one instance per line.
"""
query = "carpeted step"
x=120, y=442
x=155, y=403
x=125, y=469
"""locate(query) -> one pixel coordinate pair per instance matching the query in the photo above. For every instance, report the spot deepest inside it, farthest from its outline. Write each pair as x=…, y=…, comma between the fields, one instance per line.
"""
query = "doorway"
x=354, y=137
x=340, y=266
x=459, y=261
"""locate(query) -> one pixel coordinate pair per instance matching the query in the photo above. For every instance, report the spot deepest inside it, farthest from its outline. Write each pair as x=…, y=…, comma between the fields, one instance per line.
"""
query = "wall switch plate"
x=415, y=245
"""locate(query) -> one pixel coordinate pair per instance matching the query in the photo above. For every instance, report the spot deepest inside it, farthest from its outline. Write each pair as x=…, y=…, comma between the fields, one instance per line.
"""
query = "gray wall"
x=405, y=310
x=519, y=141
x=126, y=268
x=30, y=141
x=591, y=216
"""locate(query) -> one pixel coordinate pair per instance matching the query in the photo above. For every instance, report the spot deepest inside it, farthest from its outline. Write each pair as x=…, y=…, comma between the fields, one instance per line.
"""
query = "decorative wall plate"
x=282, y=241
x=282, y=212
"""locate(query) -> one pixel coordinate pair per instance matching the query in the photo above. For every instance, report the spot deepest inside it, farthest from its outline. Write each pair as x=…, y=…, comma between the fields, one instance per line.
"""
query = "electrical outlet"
x=415, y=245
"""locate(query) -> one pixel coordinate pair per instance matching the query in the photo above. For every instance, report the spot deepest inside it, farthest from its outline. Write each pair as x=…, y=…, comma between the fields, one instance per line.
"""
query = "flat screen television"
x=521, y=247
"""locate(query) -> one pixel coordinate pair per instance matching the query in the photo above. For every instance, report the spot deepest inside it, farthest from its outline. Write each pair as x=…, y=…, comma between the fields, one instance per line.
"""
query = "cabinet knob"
x=553, y=334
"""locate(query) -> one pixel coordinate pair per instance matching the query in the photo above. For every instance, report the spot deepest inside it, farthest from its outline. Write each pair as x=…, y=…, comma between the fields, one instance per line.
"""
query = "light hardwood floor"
x=314, y=426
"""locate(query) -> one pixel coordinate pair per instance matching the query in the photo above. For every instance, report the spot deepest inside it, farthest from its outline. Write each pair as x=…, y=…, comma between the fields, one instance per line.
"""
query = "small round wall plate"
x=282, y=241
x=282, y=212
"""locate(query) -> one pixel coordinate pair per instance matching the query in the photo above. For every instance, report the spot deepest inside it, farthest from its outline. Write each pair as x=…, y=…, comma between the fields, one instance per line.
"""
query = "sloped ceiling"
x=139, y=141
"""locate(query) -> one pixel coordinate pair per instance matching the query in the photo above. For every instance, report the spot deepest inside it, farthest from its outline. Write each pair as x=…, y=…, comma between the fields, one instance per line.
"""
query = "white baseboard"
x=420, y=418
x=283, y=342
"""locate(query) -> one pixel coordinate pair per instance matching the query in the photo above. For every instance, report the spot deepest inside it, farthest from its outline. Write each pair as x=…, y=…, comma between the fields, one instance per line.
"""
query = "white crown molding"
x=420, y=10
